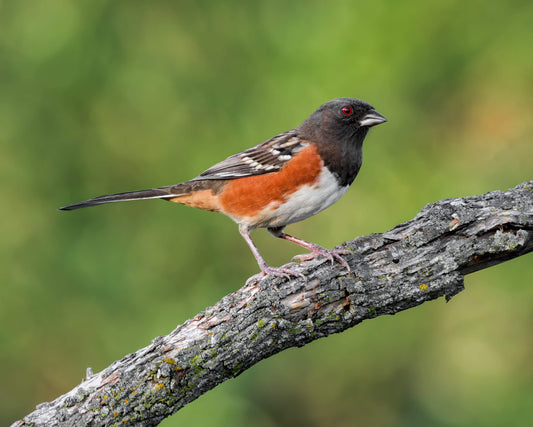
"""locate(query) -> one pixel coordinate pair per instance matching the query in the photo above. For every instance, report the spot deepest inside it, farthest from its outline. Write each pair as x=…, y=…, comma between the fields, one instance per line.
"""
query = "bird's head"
x=343, y=117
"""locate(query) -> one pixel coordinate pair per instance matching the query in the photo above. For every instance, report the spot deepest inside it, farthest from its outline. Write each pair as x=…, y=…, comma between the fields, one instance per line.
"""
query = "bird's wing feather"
x=267, y=157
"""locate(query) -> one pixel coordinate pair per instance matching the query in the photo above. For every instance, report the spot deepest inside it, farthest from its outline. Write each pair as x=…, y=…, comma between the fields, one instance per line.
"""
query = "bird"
x=285, y=179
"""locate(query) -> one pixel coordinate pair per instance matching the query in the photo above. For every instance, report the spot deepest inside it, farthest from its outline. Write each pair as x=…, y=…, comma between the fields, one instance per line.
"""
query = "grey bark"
x=416, y=261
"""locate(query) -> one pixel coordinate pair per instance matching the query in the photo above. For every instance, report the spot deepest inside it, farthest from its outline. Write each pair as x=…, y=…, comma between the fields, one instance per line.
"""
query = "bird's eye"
x=347, y=111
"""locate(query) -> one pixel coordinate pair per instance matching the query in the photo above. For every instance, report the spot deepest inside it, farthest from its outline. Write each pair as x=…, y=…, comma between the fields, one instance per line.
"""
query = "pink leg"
x=315, y=249
x=266, y=270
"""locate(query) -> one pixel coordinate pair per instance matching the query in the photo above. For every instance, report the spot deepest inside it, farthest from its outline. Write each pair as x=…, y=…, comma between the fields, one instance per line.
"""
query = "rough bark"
x=416, y=261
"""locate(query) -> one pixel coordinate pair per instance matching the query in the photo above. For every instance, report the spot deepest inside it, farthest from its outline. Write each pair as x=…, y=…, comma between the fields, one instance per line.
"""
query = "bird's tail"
x=169, y=192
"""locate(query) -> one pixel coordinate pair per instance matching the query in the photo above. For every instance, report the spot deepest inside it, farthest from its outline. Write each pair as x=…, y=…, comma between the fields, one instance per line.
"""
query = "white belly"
x=306, y=202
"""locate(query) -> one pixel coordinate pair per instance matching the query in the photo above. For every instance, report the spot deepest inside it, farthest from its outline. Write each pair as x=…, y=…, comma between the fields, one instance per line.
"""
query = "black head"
x=344, y=117
x=338, y=128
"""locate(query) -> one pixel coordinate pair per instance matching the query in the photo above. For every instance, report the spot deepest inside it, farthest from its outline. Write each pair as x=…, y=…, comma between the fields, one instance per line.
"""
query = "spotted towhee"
x=283, y=180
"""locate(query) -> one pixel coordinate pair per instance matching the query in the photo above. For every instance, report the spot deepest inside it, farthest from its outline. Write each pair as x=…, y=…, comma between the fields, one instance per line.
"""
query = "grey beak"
x=372, y=119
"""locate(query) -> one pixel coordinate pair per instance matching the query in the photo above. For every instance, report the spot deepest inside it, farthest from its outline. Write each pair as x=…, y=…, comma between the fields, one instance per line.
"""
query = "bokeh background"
x=99, y=97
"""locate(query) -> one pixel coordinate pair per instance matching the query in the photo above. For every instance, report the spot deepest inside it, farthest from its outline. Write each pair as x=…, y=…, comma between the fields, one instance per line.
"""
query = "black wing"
x=267, y=157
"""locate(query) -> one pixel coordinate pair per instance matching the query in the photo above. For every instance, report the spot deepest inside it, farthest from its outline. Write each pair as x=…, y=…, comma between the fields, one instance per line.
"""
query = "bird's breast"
x=306, y=201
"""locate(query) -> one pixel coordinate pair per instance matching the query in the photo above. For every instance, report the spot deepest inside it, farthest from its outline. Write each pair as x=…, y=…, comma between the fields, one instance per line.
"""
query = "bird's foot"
x=274, y=271
x=330, y=254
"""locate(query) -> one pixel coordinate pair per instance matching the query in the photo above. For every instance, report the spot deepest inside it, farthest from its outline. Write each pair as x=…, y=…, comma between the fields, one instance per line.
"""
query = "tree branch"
x=416, y=261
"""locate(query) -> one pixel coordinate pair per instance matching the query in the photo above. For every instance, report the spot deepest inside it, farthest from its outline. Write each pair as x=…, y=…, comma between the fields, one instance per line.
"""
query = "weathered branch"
x=417, y=261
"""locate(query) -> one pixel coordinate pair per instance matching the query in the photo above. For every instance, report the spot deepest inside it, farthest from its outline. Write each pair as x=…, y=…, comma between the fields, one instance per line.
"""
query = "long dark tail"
x=154, y=193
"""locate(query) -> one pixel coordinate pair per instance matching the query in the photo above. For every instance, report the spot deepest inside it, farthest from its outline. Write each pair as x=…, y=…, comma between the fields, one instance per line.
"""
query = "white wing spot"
x=247, y=160
x=290, y=142
x=229, y=174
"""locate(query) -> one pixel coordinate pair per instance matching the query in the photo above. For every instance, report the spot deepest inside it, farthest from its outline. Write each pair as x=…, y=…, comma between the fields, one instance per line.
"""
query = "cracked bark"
x=416, y=261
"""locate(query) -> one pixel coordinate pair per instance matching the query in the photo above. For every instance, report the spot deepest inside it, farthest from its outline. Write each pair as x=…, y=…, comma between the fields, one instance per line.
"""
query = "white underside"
x=307, y=201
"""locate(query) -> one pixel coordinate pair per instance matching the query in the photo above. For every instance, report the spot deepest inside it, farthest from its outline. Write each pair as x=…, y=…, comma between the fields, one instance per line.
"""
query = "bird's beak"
x=372, y=119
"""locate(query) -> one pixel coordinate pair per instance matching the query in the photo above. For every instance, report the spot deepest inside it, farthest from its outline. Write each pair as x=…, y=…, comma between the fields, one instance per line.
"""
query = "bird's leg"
x=266, y=270
x=315, y=249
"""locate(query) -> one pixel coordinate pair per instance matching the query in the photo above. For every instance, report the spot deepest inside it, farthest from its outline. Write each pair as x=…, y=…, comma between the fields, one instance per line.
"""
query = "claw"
x=274, y=271
x=331, y=255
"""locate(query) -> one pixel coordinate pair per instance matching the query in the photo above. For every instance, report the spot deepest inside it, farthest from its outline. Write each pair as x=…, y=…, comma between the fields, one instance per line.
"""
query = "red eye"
x=347, y=111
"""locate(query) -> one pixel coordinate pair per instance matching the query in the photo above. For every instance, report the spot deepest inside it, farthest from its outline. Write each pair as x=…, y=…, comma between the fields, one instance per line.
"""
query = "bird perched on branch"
x=283, y=180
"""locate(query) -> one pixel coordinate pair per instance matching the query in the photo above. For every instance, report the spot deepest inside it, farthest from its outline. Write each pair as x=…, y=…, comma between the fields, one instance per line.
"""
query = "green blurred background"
x=108, y=96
